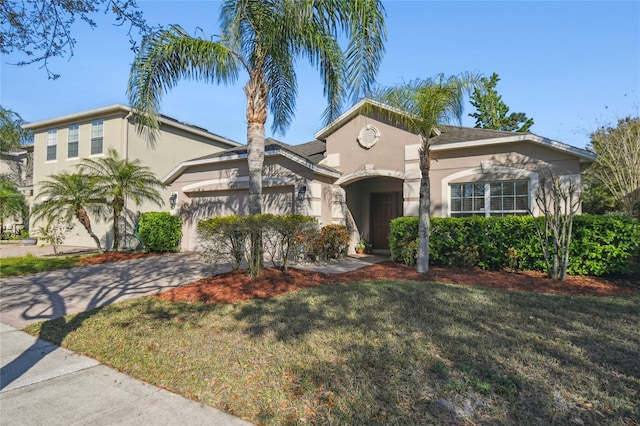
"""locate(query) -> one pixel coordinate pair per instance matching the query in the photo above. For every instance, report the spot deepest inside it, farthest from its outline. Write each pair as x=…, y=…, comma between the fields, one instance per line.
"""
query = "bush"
x=600, y=245
x=224, y=239
x=284, y=237
x=160, y=231
x=331, y=243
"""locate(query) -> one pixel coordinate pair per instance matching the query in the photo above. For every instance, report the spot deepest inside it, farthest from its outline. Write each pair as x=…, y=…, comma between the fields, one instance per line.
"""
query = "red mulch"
x=113, y=256
x=236, y=286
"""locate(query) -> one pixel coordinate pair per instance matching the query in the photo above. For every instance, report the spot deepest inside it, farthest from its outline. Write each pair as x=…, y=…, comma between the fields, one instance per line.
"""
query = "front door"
x=384, y=207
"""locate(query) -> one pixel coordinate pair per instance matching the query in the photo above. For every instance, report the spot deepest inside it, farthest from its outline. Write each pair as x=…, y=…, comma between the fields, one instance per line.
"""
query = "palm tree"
x=119, y=180
x=11, y=200
x=264, y=39
x=421, y=105
x=67, y=195
x=12, y=135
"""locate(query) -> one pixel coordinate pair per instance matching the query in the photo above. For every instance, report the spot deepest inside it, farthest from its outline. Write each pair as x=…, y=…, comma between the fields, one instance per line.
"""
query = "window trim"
x=52, y=136
x=72, y=141
x=487, y=196
x=93, y=137
x=507, y=173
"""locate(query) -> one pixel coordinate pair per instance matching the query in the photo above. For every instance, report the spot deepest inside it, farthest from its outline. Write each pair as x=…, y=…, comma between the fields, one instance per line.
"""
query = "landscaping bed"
x=236, y=286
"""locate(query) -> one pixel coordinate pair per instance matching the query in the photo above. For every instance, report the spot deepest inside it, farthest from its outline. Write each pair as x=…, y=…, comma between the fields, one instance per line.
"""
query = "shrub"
x=160, y=231
x=331, y=243
x=223, y=239
x=601, y=244
x=284, y=237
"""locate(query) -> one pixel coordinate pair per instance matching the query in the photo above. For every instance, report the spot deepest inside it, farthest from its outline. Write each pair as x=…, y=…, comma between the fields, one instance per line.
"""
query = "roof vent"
x=368, y=136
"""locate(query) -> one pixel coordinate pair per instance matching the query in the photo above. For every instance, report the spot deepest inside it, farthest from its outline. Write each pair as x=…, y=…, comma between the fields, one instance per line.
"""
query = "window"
x=490, y=198
x=72, y=142
x=52, y=142
x=97, y=132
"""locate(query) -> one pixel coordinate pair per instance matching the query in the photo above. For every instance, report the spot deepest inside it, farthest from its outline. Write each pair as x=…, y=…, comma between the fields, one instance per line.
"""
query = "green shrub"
x=160, y=231
x=600, y=245
x=224, y=239
x=284, y=237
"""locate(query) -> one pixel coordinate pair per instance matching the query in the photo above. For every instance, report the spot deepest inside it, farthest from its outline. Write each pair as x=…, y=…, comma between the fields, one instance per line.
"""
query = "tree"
x=421, y=105
x=491, y=112
x=119, y=180
x=68, y=195
x=12, y=135
x=264, y=39
x=559, y=202
x=617, y=168
x=41, y=29
x=11, y=200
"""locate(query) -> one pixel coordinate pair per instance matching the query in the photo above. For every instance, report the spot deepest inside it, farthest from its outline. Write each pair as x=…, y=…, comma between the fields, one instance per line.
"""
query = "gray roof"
x=452, y=134
x=312, y=151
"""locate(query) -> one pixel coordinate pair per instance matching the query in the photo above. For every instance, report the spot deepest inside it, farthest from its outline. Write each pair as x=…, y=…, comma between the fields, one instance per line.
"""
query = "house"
x=363, y=171
x=60, y=144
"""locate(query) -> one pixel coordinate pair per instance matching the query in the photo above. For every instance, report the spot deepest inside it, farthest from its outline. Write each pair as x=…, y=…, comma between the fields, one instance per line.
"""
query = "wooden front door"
x=384, y=206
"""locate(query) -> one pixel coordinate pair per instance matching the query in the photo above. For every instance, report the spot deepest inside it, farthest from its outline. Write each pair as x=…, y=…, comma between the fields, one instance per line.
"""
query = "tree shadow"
x=50, y=296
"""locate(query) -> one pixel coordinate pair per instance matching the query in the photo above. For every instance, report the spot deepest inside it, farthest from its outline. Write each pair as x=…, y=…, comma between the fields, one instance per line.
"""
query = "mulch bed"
x=235, y=286
x=114, y=256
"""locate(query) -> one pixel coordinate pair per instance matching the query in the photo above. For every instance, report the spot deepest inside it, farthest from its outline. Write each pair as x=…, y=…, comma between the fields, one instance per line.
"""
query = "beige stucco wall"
x=173, y=146
x=221, y=188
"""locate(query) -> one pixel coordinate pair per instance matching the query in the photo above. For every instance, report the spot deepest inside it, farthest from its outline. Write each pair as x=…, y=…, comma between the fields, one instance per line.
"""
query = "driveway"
x=48, y=295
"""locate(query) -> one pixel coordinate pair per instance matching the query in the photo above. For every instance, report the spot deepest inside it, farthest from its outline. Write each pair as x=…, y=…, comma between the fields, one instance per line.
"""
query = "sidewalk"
x=41, y=383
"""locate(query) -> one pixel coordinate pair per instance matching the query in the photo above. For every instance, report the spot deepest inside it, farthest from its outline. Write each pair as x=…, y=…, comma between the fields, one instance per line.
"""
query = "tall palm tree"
x=264, y=38
x=119, y=180
x=67, y=195
x=421, y=105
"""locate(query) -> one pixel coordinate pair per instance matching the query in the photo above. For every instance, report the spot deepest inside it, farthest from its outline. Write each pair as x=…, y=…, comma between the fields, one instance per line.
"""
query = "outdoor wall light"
x=301, y=192
x=172, y=200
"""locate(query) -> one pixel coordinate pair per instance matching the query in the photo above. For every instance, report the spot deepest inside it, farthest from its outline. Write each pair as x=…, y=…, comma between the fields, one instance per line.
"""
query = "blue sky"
x=571, y=66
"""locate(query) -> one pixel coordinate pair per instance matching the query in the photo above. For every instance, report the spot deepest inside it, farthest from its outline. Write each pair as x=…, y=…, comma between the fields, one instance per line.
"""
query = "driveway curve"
x=44, y=296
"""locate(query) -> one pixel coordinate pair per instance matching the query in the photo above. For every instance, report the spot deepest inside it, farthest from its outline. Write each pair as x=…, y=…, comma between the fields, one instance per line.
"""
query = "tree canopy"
x=492, y=112
x=41, y=29
x=616, y=171
x=12, y=135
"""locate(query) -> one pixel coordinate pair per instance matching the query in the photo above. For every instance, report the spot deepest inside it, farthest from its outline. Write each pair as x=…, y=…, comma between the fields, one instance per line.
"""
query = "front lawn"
x=389, y=352
x=30, y=264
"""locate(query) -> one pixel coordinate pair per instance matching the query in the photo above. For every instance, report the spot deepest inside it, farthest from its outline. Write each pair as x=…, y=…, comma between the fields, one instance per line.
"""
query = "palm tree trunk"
x=118, y=205
x=257, y=93
x=83, y=218
x=424, y=209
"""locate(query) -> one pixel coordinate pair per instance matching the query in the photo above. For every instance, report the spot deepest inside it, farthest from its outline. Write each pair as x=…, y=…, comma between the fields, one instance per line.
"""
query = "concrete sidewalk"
x=41, y=383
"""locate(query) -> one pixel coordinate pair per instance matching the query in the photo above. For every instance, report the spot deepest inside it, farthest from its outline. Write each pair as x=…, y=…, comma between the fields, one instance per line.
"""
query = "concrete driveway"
x=38, y=297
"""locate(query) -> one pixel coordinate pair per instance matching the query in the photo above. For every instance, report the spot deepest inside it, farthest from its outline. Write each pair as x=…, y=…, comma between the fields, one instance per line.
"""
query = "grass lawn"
x=30, y=264
x=389, y=352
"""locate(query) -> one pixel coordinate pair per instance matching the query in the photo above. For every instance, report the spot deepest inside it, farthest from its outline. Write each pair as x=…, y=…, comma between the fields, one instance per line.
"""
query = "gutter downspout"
x=125, y=137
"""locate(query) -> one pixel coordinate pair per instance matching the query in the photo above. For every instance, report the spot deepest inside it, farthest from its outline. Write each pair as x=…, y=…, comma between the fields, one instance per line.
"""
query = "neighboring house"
x=363, y=171
x=18, y=166
x=60, y=144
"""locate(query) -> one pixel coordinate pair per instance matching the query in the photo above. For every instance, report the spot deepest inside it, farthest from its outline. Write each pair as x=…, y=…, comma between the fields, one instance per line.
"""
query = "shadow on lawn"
x=52, y=295
x=424, y=353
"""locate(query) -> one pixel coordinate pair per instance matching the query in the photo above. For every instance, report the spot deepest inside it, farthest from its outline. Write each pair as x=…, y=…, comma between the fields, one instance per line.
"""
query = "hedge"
x=600, y=245
x=160, y=231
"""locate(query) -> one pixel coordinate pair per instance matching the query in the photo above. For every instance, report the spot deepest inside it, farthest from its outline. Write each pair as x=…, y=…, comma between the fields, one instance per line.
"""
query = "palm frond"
x=164, y=59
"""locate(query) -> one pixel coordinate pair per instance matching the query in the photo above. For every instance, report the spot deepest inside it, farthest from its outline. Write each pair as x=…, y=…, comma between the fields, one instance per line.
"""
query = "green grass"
x=381, y=352
x=30, y=264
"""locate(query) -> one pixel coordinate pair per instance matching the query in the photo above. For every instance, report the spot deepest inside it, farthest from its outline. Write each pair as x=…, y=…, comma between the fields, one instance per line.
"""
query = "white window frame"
x=52, y=142
x=97, y=135
x=486, y=196
x=73, y=129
